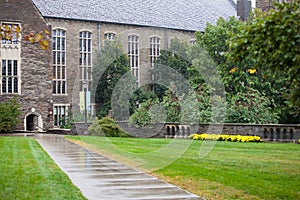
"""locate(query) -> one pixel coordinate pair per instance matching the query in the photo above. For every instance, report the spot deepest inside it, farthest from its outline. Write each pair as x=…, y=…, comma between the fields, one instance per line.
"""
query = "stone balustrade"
x=268, y=132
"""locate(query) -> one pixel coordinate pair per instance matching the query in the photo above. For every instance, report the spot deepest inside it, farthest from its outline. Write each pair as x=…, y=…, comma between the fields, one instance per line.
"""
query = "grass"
x=27, y=172
x=229, y=171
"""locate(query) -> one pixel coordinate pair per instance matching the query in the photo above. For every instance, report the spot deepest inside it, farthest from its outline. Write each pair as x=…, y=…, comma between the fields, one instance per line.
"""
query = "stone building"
x=25, y=68
x=49, y=83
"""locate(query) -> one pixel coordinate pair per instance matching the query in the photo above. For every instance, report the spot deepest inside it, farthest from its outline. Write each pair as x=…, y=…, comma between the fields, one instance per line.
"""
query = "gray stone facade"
x=35, y=94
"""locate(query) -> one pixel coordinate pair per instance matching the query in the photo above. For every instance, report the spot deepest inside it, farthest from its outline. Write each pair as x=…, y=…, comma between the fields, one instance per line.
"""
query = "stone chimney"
x=243, y=9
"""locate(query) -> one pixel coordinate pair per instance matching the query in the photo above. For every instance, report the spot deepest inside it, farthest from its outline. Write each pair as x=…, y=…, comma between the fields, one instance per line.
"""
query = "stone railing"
x=80, y=128
x=268, y=132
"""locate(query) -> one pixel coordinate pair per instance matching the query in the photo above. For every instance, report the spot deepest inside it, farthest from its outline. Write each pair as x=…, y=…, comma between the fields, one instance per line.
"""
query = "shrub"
x=95, y=128
x=141, y=117
x=223, y=137
x=9, y=115
x=106, y=126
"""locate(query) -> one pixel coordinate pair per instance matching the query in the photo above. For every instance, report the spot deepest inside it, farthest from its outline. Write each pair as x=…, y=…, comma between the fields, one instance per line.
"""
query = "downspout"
x=99, y=37
x=166, y=43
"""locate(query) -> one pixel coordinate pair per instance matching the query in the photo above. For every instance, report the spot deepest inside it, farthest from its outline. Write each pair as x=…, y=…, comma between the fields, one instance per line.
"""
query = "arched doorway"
x=33, y=122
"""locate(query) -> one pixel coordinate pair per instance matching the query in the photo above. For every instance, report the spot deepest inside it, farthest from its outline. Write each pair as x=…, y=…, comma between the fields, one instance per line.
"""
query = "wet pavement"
x=99, y=177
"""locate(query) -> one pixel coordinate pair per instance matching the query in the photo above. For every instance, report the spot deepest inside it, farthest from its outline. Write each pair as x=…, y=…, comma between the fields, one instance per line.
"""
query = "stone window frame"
x=134, y=55
x=109, y=36
x=192, y=42
x=10, y=52
x=60, y=111
x=86, y=48
x=59, y=61
x=10, y=76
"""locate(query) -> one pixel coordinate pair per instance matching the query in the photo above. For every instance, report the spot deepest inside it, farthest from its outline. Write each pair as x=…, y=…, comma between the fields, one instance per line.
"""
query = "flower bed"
x=222, y=137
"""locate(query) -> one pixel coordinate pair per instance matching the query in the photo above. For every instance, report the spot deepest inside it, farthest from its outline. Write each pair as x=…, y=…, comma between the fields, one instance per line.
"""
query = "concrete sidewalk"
x=99, y=177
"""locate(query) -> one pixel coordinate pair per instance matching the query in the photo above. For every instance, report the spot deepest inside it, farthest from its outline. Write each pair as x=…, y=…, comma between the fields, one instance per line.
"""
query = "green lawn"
x=27, y=172
x=230, y=171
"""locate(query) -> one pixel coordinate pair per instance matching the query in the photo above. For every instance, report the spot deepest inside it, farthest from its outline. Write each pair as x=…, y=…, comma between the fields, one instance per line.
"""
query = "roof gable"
x=176, y=14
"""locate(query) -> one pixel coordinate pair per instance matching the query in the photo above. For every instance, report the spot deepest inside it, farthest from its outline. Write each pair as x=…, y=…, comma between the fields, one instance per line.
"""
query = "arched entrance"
x=33, y=122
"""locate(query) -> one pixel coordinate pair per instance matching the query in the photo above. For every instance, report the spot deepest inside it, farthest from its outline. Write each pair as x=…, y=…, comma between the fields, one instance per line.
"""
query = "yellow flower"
x=223, y=137
x=251, y=71
x=233, y=70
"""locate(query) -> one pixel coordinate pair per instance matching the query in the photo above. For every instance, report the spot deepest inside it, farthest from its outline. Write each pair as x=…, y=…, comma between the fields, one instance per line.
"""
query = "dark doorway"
x=31, y=122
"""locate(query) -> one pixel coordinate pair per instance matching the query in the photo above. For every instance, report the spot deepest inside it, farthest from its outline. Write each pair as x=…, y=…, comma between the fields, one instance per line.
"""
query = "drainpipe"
x=166, y=39
x=99, y=37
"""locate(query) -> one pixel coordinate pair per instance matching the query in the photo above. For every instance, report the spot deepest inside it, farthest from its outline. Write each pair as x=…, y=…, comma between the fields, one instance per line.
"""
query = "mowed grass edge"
x=27, y=172
x=230, y=171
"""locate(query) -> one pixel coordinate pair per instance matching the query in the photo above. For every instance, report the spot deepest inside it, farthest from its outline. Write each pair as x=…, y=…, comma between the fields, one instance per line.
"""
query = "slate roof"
x=176, y=14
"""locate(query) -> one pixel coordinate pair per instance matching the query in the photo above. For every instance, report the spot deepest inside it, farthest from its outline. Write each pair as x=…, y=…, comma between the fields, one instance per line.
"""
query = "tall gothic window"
x=59, y=61
x=10, y=79
x=10, y=53
x=154, y=49
x=85, y=57
x=133, y=54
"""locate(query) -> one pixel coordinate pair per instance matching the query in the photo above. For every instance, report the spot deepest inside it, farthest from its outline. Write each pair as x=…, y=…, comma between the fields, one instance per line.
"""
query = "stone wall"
x=267, y=4
x=145, y=33
x=152, y=131
x=79, y=128
x=35, y=92
x=268, y=132
x=72, y=28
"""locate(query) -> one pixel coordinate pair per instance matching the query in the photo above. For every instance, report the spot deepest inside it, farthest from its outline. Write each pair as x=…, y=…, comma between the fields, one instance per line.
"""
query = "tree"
x=112, y=65
x=251, y=107
x=11, y=33
x=141, y=95
x=239, y=78
x=215, y=37
x=9, y=115
x=175, y=58
x=171, y=66
x=272, y=39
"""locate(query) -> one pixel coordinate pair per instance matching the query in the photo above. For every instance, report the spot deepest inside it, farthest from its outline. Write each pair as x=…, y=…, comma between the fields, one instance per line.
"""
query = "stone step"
x=125, y=183
x=166, y=192
x=93, y=170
